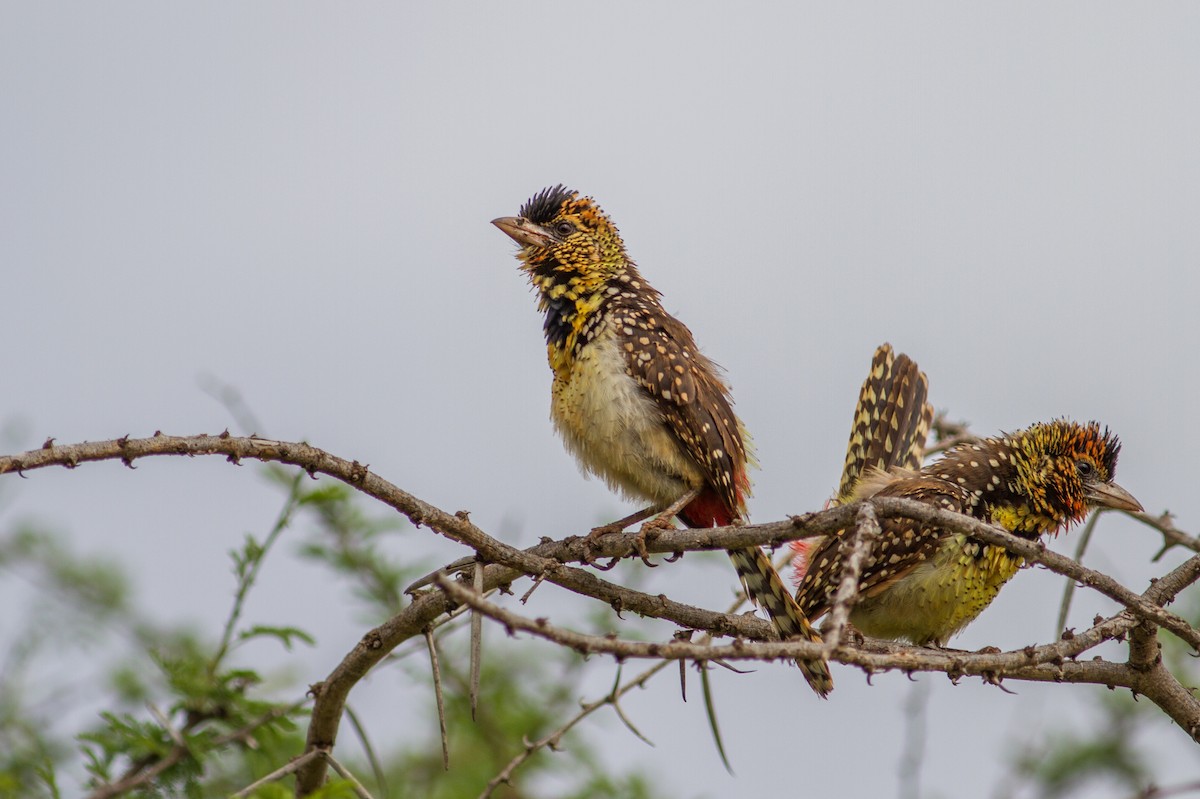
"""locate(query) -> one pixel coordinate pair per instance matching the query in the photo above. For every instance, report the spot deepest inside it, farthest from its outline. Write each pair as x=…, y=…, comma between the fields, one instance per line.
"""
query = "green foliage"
x=1114, y=750
x=181, y=718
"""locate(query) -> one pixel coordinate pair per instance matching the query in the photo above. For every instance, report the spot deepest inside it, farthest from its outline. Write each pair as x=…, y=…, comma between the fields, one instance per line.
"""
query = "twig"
x=247, y=578
x=856, y=548
x=875, y=655
x=538, y=580
x=1081, y=545
x=948, y=435
x=294, y=765
x=441, y=701
x=1045, y=663
x=355, y=785
x=550, y=557
x=1172, y=536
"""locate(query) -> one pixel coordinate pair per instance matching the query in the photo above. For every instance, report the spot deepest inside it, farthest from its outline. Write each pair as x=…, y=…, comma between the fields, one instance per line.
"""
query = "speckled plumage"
x=889, y=429
x=633, y=398
x=924, y=584
x=891, y=420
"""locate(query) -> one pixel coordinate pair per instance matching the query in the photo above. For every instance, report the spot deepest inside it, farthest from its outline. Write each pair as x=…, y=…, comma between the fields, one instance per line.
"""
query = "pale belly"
x=615, y=430
x=939, y=597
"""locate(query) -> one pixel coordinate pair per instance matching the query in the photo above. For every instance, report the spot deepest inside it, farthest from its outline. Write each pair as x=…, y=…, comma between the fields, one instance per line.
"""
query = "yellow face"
x=1065, y=469
x=568, y=245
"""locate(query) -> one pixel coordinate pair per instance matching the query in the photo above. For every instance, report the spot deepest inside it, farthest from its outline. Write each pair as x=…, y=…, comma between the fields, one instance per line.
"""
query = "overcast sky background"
x=294, y=198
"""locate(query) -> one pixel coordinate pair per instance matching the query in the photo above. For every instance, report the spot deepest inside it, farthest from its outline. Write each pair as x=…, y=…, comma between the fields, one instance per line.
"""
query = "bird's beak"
x=524, y=232
x=1111, y=495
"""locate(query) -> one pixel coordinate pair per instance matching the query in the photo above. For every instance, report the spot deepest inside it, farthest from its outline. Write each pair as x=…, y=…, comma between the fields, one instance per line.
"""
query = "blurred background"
x=289, y=203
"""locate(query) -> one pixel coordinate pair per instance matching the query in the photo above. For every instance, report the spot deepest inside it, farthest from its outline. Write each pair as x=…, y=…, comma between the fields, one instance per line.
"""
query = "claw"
x=639, y=543
x=652, y=527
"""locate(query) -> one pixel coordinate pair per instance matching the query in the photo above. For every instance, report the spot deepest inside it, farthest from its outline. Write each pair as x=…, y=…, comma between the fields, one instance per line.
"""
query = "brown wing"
x=903, y=545
x=693, y=399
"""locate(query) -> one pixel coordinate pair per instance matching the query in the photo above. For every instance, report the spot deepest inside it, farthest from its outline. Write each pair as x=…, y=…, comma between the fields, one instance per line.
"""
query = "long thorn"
x=476, y=641
x=441, y=702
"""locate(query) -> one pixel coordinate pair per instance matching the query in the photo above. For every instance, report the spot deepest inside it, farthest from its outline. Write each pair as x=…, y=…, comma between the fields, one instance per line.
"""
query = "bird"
x=634, y=399
x=922, y=583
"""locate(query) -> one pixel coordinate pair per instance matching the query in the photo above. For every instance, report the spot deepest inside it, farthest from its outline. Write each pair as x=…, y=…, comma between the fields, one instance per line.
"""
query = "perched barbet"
x=633, y=398
x=922, y=583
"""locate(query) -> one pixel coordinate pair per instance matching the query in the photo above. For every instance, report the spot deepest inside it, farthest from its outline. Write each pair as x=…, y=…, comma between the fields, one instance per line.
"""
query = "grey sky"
x=295, y=198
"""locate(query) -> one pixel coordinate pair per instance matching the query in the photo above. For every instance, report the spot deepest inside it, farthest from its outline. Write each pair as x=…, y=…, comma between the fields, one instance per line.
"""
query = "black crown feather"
x=542, y=207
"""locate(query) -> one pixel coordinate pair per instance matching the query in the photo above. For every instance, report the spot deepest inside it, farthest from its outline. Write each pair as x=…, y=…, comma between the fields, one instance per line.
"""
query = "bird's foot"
x=590, y=540
x=648, y=530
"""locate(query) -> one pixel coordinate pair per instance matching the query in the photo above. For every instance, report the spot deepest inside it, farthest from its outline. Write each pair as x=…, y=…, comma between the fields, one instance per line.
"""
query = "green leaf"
x=285, y=635
x=711, y=710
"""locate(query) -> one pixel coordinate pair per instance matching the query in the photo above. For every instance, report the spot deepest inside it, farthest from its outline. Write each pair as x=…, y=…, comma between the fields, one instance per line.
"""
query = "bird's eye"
x=1086, y=469
x=564, y=229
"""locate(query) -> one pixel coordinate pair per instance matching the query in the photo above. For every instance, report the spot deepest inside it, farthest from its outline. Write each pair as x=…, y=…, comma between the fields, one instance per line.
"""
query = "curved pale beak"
x=524, y=232
x=1111, y=495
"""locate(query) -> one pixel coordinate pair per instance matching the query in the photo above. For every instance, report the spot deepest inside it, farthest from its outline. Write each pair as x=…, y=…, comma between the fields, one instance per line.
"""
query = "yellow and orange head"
x=568, y=245
x=1064, y=469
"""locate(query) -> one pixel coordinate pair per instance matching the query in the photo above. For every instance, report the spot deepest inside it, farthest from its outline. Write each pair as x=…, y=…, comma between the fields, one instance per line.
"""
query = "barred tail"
x=765, y=589
x=891, y=420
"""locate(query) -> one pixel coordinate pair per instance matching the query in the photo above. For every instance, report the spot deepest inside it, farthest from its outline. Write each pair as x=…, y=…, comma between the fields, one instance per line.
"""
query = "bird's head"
x=568, y=246
x=1064, y=469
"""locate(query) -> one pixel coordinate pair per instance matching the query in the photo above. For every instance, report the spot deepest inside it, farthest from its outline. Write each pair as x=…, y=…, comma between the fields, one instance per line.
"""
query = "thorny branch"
x=1143, y=614
x=856, y=548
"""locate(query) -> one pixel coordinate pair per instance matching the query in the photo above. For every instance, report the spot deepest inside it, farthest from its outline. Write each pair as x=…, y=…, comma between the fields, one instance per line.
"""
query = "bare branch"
x=1043, y=664
x=1144, y=674
x=279, y=773
x=1172, y=536
x=856, y=548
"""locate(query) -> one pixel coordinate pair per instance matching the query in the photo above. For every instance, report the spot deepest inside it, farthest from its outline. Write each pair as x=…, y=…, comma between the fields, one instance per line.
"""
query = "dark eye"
x=564, y=229
x=1086, y=469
